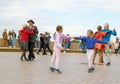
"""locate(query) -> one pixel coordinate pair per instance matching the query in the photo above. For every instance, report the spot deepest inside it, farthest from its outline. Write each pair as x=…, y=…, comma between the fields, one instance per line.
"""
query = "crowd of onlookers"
x=66, y=43
x=9, y=39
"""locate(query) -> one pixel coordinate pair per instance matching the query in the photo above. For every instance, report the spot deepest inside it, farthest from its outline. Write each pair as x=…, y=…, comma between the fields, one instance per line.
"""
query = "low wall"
x=74, y=46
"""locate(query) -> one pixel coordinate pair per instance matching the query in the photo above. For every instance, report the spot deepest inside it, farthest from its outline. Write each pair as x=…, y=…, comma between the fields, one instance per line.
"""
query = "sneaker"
x=58, y=71
x=108, y=64
x=64, y=52
x=14, y=46
x=10, y=46
x=91, y=69
x=52, y=69
x=67, y=49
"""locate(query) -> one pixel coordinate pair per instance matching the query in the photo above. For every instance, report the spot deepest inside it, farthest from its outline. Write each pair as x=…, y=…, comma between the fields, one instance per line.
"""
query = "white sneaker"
x=14, y=46
x=68, y=49
x=64, y=52
x=10, y=46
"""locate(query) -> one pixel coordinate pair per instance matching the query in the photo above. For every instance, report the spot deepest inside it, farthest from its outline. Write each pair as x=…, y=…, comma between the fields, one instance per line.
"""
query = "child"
x=58, y=37
x=90, y=43
x=24, y=34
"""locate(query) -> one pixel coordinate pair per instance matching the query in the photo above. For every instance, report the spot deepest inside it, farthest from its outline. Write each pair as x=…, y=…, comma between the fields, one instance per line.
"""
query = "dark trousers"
x=47, y=46
x=116, y=51
x=31, y=55
x=41, y=46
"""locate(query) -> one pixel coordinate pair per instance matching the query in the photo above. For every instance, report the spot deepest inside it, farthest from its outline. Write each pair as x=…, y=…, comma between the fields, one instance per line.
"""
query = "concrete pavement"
x=73, y=65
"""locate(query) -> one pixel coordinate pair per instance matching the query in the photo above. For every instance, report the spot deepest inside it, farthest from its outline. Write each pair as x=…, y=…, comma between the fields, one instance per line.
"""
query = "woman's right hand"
x=61, y=48
x=33, y=28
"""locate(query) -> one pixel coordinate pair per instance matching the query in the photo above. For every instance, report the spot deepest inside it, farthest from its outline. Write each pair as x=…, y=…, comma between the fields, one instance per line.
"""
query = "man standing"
x=107, y=39
x=117, y=45
x=10, y=39
x=32, y=39
x=5, y=38
x=13, y=39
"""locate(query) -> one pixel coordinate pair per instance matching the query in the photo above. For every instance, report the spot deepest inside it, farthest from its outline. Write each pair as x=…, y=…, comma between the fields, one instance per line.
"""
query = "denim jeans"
x=9, y=42
x=13, y=42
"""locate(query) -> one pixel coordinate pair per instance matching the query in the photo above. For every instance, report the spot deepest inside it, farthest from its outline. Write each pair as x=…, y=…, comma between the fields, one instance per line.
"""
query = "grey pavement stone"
x=73, y=65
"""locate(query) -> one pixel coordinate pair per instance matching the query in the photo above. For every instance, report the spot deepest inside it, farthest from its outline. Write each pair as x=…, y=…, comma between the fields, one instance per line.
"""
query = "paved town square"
x=73, y=65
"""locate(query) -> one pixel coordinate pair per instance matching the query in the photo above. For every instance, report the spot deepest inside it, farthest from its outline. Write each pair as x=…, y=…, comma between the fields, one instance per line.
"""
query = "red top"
x=99, y=36
x=24, y=34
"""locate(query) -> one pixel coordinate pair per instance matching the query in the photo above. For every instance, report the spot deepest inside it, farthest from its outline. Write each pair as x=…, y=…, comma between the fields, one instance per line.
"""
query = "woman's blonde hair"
x=25, y=26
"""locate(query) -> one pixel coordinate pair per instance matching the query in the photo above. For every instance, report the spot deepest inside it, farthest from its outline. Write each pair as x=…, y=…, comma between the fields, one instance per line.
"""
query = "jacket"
x=58, y=40
x=90, y=42
x=32, y=37
x=4, y=35
x=99, y=36
x=107, y=37
x=24, y=34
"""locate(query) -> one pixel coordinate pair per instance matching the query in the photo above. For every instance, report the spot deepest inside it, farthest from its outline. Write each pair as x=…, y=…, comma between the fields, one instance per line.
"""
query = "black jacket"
x=32, y=37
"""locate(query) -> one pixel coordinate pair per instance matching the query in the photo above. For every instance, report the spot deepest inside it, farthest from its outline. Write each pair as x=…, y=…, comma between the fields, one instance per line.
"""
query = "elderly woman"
x=24, y=37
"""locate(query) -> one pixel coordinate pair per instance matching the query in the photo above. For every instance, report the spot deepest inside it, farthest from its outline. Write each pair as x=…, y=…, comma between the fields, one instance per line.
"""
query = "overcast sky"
x=76, y=16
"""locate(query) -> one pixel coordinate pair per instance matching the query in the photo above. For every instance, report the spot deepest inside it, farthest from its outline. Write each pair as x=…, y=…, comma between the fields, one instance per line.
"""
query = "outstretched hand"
x=62, y=48
x=114, y=30
x=33, y=28
x=74, y=37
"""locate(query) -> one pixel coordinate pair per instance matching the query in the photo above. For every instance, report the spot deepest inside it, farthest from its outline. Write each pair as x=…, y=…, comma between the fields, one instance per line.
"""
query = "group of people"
x=9, y=39
x=28, y=35
x=45, y=43
x=66, y=43
x=97, y=42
